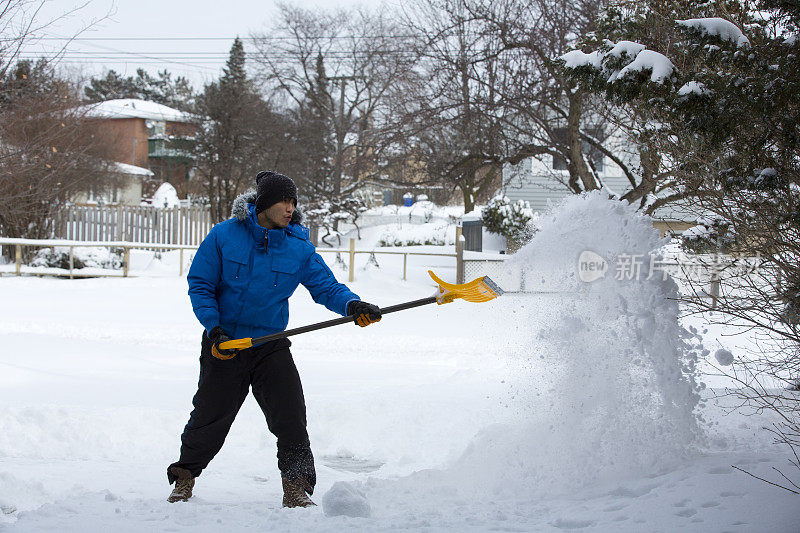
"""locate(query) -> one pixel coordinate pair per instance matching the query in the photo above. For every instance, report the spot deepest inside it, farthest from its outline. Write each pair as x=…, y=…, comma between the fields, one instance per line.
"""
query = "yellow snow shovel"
x=478, y=290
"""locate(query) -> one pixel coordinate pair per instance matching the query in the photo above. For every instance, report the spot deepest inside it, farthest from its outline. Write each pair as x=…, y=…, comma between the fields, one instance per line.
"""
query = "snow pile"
x=613, y=348
x=422, y=209
x=628, y=48
x=345, y=499
x=17, y=495
x=165, y=196
x=604, y=372
x=719, y=27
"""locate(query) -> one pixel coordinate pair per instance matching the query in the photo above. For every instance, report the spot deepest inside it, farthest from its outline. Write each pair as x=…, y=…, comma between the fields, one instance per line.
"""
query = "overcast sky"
x=128, y=33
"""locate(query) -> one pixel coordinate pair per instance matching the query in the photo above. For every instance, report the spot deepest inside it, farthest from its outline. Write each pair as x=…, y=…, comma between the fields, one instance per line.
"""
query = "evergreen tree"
x=110, y=87
x=717, y=83
x=241, y=135
x=27, y=79
x=163, y=89
x=177, y=93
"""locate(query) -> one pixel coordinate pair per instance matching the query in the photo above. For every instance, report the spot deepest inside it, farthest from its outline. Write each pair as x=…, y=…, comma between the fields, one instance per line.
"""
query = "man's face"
x=278, y=215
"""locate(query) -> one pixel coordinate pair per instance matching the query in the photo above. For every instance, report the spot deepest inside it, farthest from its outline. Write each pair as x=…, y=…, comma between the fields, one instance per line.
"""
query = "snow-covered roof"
x=124, y=168
x=133, y=108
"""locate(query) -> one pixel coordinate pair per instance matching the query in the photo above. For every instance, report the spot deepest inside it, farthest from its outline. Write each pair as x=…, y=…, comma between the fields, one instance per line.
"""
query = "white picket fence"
x=141, y=224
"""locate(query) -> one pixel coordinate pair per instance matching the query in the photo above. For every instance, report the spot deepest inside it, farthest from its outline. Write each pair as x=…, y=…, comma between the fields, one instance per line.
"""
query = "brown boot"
x=295, y=493
x=183, y=485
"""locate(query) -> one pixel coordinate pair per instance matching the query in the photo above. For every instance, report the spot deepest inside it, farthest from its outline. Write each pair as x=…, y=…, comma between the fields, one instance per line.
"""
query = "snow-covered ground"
x=532, y=412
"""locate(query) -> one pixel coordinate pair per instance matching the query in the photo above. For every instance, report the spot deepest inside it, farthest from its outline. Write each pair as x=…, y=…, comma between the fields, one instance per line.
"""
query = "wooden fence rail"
x=144, y=224
x=19, y=269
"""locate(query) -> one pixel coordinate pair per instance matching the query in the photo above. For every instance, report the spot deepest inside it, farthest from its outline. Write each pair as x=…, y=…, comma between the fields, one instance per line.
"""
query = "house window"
x=593, y=154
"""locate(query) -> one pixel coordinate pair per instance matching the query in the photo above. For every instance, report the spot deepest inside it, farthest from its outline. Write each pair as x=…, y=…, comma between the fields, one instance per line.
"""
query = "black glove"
x=365, y=313
x=218, y=336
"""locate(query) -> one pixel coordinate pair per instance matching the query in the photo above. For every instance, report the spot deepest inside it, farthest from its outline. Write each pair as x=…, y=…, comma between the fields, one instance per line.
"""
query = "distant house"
x=148, y=136
x=541, y=181
x=124, y=187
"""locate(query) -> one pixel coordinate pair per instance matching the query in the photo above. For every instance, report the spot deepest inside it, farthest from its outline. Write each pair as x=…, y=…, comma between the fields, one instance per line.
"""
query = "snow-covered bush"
x=515, y=221
x=83, y=257
x=711, y=234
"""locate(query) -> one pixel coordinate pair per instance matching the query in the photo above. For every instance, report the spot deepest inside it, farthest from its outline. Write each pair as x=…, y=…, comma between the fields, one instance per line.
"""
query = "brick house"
x=150, y=136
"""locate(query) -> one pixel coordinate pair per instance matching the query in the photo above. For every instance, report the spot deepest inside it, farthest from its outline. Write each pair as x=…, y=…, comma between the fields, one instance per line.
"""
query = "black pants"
x=223, y=387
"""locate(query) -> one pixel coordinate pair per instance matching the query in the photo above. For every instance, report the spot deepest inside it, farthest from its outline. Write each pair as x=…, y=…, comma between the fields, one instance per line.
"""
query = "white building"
x=540, y=181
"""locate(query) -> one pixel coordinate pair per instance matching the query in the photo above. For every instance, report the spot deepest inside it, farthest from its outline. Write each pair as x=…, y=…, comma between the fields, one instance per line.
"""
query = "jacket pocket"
x=234, y=266
x=285, y=269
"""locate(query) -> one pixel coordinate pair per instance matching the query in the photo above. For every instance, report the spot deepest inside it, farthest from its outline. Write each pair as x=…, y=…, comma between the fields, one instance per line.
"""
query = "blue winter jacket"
x=237, y=282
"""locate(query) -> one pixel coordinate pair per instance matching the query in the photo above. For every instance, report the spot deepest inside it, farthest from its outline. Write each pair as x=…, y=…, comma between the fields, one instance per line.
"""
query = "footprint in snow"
x=572, y=524
x=634, y=492
x=686, y=513
x=613, y=508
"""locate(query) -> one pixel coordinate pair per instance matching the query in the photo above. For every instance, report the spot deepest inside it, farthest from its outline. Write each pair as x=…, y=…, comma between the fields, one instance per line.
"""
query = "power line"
x=275, y=38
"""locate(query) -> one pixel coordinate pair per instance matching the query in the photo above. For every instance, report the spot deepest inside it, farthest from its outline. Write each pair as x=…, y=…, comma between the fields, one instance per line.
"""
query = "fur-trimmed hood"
x=240, y=212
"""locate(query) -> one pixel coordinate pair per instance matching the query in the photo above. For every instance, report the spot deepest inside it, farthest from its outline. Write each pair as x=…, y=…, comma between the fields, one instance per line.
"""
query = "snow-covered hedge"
x=439, y=234
x=83, y=257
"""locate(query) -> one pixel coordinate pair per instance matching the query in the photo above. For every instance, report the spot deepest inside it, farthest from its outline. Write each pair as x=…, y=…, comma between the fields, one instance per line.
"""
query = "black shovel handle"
x=336, y=321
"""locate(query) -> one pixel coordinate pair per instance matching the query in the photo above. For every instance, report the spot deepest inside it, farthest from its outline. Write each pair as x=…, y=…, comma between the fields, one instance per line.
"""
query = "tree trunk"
x=578, y=170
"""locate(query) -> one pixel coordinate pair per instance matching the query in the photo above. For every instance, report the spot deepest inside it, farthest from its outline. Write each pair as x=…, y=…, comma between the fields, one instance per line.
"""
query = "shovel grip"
x=236, y=344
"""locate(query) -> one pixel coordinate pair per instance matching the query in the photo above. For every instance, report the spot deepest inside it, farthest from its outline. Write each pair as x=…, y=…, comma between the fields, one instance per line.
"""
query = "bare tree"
x=494, y=93
x=21, y=22
x=545, y=114
x=448, y=118
x=48, y=150
x=336, y=71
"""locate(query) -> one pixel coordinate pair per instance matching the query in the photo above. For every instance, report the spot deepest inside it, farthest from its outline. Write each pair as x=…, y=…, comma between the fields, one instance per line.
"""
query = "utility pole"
x=341, y=132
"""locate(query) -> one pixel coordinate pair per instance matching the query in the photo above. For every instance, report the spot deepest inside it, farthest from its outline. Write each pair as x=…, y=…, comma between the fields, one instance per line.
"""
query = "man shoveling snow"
x=240, y=282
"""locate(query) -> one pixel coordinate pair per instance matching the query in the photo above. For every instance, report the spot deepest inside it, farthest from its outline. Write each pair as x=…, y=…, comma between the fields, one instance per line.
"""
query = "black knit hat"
x=271, y=188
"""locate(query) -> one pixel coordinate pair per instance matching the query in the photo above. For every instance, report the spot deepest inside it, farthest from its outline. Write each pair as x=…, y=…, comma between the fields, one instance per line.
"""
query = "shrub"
x=515, y=221
x=94, y=257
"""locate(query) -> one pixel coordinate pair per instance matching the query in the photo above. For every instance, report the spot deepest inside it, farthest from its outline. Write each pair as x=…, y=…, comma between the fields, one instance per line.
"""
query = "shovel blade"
x=478, y=290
